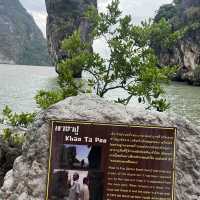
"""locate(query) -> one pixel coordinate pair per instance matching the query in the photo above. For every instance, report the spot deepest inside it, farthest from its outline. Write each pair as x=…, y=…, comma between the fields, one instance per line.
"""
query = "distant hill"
x=21, y=41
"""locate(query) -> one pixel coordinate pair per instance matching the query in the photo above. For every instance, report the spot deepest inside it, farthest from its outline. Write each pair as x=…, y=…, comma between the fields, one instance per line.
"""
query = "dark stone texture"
x=8, y=154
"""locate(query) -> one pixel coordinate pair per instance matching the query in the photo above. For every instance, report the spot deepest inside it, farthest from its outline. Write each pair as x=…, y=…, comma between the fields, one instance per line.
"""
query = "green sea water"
x=19, y=84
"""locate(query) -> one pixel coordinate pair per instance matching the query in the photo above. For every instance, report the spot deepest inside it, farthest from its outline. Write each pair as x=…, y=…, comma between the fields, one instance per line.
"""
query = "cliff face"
x=21, y=41
x=65, y=16
x=186, y=52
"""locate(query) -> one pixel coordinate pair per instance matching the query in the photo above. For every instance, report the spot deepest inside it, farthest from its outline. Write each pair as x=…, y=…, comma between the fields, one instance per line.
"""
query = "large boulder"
x=27, y=179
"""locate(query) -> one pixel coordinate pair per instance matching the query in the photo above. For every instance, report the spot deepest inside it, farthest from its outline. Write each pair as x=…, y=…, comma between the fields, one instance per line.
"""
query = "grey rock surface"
x=27, y=179
x=21, y=41
x=64, y=17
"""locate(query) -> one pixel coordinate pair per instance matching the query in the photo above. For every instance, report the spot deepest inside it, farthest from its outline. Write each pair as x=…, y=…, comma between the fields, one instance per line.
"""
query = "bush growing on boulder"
x=131, y=64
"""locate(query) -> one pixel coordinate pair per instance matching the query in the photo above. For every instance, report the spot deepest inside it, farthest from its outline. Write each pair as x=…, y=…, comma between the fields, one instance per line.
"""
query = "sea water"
x=19, y=84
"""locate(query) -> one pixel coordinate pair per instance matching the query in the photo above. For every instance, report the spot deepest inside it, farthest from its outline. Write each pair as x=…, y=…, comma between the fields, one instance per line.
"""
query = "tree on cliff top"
x=181, y=15
x=130, y=66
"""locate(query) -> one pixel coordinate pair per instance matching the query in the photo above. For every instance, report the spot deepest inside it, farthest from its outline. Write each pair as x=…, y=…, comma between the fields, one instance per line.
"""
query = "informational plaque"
x=92, y=161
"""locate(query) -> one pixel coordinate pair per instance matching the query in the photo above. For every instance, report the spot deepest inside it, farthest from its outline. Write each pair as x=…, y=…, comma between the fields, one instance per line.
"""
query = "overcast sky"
x=139, y=9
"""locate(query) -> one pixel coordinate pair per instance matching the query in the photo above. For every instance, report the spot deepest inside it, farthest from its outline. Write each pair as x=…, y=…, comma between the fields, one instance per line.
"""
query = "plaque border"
x=81, y=122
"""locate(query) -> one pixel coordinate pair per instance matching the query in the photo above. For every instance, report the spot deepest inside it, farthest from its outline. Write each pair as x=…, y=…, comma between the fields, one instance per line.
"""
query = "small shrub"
x=18, y=139
x=6, y=134
x=47, y=98
x=14, y=119
x=13, y=138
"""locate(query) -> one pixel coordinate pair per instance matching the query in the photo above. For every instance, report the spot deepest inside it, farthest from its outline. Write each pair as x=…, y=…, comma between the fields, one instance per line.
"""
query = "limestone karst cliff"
x=65, y=16
x=183, y=15
x=21, y=41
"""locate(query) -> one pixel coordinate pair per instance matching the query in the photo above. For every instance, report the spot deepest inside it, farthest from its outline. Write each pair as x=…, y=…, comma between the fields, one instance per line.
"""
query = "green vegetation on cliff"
x=184, y=19
x=64, y=17
x=17, y=122
x=181, y=15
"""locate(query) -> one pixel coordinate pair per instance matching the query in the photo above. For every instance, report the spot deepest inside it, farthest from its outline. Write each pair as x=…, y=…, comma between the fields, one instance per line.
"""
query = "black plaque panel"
x=111, y=162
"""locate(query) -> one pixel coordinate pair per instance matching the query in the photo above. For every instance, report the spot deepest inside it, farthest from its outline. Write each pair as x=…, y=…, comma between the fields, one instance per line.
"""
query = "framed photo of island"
x=99, y=161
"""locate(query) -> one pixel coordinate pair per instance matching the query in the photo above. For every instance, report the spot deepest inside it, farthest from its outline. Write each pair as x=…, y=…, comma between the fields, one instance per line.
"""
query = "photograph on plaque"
x=80, y=157
x=91, y=161
x=74, y=167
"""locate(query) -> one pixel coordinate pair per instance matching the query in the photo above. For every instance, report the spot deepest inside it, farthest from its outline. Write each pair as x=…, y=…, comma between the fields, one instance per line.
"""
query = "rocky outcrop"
x=186, y=55
x=183, y=15
x=8, y=153
x=27, y=179
x=64, y=17
x=21, y=41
